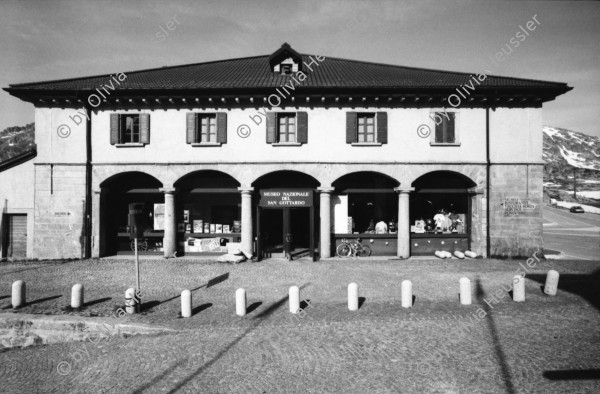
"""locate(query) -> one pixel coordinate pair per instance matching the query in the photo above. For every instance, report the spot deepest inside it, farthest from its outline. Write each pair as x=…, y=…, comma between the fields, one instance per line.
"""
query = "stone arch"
x=212, y=178
x=286, y=178
x=474, y=173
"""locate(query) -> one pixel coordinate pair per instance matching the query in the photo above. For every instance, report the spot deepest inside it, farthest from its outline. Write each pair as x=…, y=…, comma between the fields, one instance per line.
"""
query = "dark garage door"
x=16, y=240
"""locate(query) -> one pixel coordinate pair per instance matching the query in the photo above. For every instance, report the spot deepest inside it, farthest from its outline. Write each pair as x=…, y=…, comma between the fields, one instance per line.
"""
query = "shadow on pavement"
x=206, y=365
x=98, y=301
x=505, y=371
x=212, y=282
x=587, y=286
x=217, y=280
x=201, y=308
x=253, y=307
x=575, y=374
x=361, y=301
x=166, y=372
x=43, y=300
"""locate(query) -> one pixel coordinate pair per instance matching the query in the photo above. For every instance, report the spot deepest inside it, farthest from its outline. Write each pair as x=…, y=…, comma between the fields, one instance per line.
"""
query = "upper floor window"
x=366, y=128
x=445, y=128
x=129, y=129
x=206, y=129
x=286, y=130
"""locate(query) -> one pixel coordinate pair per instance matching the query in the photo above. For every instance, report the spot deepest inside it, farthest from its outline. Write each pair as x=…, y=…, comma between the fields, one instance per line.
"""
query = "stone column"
x=170, y=239
x=403, y=221
x=247, y=232
x=325, y=230
x=478, y=228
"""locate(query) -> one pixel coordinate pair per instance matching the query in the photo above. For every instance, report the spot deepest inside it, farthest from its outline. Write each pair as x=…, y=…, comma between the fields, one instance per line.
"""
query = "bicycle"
x=142, y=245
x=354, y=248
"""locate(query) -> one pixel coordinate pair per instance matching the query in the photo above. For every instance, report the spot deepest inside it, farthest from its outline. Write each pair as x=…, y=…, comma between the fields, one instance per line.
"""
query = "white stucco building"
x=286, y=153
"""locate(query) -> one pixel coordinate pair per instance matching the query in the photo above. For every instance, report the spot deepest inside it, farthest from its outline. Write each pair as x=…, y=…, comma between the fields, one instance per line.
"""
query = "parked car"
x=576, y=209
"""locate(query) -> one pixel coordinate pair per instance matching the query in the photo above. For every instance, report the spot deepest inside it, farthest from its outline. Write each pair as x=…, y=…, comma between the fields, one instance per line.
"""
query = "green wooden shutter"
x=271, y=127
x=145, y=128
x=351, y=127
x=222, y=127
x=450, y=128
x=382, y=128
x=302, y=127
x=190, y=127
x=114, y=129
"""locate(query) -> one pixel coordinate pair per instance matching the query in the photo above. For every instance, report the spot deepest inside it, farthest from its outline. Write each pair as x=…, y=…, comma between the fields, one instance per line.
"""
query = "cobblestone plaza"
x=546, y=344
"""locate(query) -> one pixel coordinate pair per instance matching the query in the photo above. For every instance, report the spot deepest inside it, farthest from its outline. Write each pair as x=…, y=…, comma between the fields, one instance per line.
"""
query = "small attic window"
x=285, y=60
x=286, y=69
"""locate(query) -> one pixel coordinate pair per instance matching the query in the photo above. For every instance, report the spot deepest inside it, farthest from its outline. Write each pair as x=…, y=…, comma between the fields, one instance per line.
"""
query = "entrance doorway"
x=15, y=236
x=285, y=232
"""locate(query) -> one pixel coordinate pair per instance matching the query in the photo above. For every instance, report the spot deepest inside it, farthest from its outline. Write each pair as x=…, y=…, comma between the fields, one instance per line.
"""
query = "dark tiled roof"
x=254, y=73
x=16, y=160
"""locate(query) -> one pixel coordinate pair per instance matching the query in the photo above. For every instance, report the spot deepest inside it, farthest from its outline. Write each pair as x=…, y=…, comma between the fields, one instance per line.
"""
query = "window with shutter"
x=445, y=128
x=351, y=127
x=366, y=127
x=222, y=127
x=382, y=127
x=271, y=128
x=145, y=128
x=114, y=129
x=190, y=133
x=286, y=128
x=129, y=129
x=206, y=129
x=302, y=127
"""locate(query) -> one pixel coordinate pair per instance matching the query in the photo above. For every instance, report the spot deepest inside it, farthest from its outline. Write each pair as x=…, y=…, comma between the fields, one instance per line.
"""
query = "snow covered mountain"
x=565, y=148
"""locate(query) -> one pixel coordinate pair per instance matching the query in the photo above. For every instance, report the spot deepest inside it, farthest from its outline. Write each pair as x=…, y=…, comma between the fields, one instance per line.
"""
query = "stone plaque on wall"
x=516, y=206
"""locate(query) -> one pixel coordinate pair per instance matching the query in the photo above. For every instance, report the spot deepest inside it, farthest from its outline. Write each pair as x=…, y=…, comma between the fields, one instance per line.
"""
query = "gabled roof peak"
x=286, y=51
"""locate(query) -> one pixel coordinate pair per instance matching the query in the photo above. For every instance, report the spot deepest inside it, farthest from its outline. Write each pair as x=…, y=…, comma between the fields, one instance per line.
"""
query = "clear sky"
x=47, y=39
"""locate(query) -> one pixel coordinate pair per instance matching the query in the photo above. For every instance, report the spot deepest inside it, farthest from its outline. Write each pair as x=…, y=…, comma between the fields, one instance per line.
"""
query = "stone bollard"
x=518, y=288
x=294, y=299
x=186, y=303
x=407, y=297
x=353, y=296
x=18, y=294
x=551, y=286
x=458, y=254
x=77, y=296
x=130, y=301
x=240, y=302
x=465, y=291
x=440, y=254
x=470, y=254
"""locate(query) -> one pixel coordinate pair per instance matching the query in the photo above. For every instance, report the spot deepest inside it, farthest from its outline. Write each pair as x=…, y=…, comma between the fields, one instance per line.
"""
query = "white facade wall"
x=515, y=137
x=17, y=197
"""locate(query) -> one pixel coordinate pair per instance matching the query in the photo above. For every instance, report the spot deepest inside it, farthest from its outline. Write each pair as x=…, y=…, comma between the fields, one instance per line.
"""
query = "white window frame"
x=432, y=125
